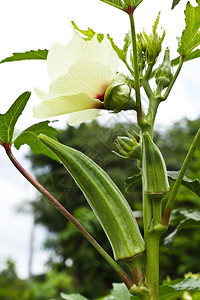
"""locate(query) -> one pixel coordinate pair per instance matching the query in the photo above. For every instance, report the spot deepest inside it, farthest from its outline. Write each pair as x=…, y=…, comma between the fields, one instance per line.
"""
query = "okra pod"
x=106, y=200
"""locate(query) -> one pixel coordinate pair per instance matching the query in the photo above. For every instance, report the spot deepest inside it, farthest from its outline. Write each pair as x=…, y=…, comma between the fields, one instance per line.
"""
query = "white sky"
x=26, y=25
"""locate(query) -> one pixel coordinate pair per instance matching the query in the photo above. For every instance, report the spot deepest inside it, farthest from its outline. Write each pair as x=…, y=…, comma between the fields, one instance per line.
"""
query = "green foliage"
x=30, y=137
x=190, y=38
x=131, y=183
x=153, y=43
x=123, y=4
x=192, y=185
x=73, y=297
x=188, y=219
x=9, y=119
x=122, y=53
x=32, y=54
x=89, y=33
x=38, y=288
x=174, y=3
x=174, y=290
x=192, y=55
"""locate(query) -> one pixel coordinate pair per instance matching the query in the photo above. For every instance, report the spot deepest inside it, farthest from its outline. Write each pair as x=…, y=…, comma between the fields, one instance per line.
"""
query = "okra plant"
x=85, y=81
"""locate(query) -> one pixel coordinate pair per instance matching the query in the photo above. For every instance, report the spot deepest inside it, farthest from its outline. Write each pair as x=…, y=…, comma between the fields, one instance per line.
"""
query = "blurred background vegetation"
x=74, y=266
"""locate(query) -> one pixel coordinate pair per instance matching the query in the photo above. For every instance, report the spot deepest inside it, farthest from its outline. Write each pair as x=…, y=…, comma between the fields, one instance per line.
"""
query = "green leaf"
x=190, y=38
x=32, y=54
x=30, y=137
x=192, y=55
x=123, y=5
x=122, y=53
x=187, y=219
x=120, y=292
x=73, y=297
x=89, y=33
x=174, y=3
x=174, y=291
x=9, y=119
x=131, y=183
x=192, y=185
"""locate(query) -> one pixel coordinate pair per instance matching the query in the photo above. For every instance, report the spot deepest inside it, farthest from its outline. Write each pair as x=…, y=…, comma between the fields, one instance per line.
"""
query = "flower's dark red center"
x=100, y=97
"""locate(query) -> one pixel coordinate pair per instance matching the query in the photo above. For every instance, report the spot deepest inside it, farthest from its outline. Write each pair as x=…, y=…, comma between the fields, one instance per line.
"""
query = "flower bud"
x=129, y=147
x=164, y=72
x=117, y=96
x=154, y=169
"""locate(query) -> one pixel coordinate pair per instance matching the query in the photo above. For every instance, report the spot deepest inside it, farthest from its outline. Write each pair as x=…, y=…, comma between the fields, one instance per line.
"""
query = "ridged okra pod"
x=154, y=169
x=105, y=199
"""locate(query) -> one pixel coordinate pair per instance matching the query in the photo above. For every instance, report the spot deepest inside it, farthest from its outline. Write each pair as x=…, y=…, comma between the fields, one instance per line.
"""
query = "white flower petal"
x=89, y=77
x=101, y=52
x=64, y=105
x=82, y=116
x=61, y=58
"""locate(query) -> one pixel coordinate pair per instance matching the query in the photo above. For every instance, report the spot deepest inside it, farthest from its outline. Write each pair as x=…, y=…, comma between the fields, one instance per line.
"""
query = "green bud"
x=141, y=43
x=164, y=72
x=117, y=96
x=154, y=169
x=129, y=147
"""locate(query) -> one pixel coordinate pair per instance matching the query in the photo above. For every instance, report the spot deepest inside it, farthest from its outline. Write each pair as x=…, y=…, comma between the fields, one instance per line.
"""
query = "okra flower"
x=80, y=74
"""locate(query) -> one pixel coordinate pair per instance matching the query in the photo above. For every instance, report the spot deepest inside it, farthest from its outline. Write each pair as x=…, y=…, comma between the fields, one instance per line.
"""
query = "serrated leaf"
x=30, y=137
x=120, y=292
x=9, y=119
x=131, y=183
x=32, y=54
x=190, y=219
x=73, y=297
x=121, y=53
x=173, y=291
x=174, y=3
x=192, y=55
x=192, y=185
x=190, y=38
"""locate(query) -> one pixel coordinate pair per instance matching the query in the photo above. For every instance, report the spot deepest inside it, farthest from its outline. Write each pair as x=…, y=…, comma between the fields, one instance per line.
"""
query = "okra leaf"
x=122, y=53
x=32, y=54
x=131, y=183
x=192, y=55
x=174, y=3
x=173, y=291
x=123, y=4
x=9, y=119
x=187, y=219
x=30, y=137
x=192, y=185
x=73, y=297
x=120, y=292
x=190, y=38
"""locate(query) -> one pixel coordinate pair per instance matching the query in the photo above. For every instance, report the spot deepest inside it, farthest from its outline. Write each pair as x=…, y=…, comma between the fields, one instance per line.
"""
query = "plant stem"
x=147, y=213
x=136, y=71
x=152, y=263
x=126, y=279
x=172, y=196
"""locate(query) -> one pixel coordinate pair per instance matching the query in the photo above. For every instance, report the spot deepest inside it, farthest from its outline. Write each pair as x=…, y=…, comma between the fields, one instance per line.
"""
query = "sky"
x=26, y=25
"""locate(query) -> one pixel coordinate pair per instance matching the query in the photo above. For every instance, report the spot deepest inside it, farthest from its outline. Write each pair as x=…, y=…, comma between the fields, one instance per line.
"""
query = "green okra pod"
x=105, y=199
x=154, y=169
